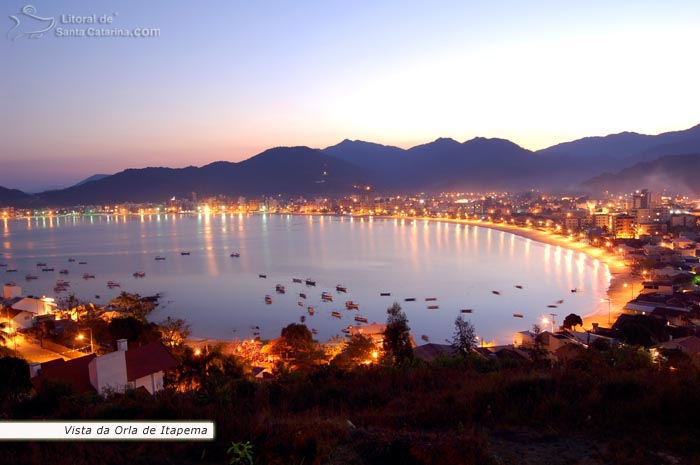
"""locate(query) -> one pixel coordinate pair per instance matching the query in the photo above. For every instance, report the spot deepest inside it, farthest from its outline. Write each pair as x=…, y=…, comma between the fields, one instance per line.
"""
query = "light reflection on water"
x=460, y=265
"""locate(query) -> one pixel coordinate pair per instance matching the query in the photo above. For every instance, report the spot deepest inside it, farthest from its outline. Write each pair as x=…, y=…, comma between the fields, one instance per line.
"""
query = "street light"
x=80, y=337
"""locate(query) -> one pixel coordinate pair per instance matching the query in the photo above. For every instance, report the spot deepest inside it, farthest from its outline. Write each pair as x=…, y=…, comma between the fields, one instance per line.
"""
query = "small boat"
x=302, y=318
x=62, y=283
x=139, y=274
x=235, y=255
x=112, y=284
x=430, y=299
x=279, y=289
x=268, y=299
x=551, y=306
x=466, y=310
x=336, y=314
x=97, y=296
x=71, y=260
x=518, y=286
x=41, y=264
x=311, y=310
x=341, y=288
x=345, y=330
x=296, y=280
x=384, y=294
x=47, y=269
x=184, y=253
x=310, y=282
x=264, y=276
x=159, y=257
x=88, y=276
x=360, y=319
x=82, y=263
x=495, y=292
x=314, y=331
x=326, y=297
x=3, y=264
x=409, y=299
x=300, y=303
x=64, y=271
x=560, y=301
x=350, y=305
x=574, y=290
x=11, y=270
x=425, y=338
x=302, y=295
x=517, y=315
x=433, y=307
x=29, y=277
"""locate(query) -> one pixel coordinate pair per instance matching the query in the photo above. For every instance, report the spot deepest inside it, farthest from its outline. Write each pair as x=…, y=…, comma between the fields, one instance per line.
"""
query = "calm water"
x=223, y=297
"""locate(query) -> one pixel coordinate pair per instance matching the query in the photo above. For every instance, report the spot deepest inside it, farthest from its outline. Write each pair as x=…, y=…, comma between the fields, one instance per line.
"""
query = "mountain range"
x=617, y=163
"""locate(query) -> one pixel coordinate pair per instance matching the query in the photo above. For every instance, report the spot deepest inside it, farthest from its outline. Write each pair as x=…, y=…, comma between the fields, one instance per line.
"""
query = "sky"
x=227, y=79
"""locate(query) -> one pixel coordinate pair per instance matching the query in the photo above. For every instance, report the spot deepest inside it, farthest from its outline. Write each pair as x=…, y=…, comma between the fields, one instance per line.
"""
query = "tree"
x=397, y=337
x=174, y=331
x=134, y=305
x=358, y=350
x=572, y=320
x=464, y=337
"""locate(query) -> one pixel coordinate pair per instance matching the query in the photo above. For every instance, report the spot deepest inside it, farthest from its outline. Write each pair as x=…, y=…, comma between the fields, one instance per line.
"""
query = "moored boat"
x=430, y=299
x=350, y=305
x=384, y=294
x=29, y=277
x=88, y=276
x=433, y=307
x=139, y=274
x=279, y=289
x=268, y=299
x=336, y=314
x=517, y=315
x=310, y=282
x=326, y=297
x=360, y=319
x=47, y=269
x=311, y=310
x=112, y=284
x=184, y=253
x=409, y=299
x=160, y=257
x=63, y=271
x=466, y=310
x=235, y=254
x=296, y=280
x=341, y=288
x=302, y=295
x=264, y=276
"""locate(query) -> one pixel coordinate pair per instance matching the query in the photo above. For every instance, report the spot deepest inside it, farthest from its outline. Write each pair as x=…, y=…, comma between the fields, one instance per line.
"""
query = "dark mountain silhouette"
x=677, y=173
x=479, y=164
x=10, y=197
x=94, y=177
x=285, y=170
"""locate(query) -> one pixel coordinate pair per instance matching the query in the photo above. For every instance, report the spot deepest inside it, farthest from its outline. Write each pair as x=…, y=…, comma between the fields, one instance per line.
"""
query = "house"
x=142, y=367
x=689, y=345
x=11, y=291
x=430, y=352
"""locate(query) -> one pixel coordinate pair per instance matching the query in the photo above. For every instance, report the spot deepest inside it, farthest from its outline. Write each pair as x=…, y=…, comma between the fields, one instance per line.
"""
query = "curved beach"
x=622, y=283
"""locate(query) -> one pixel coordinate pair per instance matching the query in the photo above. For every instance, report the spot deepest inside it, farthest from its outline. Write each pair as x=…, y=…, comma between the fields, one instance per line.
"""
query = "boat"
x=268, y=299
x=62, y=283
x=71, y=260
x=41, y=264
x=336, y=314
x=433, y=307
x=560, y=301
x=495, y=292
x=30, y=277
x=574, y=290
x=341, y=288
x=11, y=270
x=184, y=253
x=551, y=306
x=409, y=299
x=310, y=282
x=517, y=315
x=235, y=255
x=279, y=288
x=264, y=276
x=430, y=299
x=518, y=286
x=296, y=280
x=360, y=319
x=345, y=330
x=425, y=338
x=3, y=264
x=384, y=294
x=47, y=269
x=302, y=295
x=82, y=263
x=139, y=274
x=350, y=305
x=88, y=276
x=300, y=303
x=311, y=310
x=64, y=271
x=314, y=331
x=59, y=289
x=159, y=257
x=326, y=297
x=112, y=284
x=302, y=318
x=466, y=310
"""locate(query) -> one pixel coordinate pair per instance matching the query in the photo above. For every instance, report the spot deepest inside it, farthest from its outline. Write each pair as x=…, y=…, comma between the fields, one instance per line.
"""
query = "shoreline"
x=621, y=279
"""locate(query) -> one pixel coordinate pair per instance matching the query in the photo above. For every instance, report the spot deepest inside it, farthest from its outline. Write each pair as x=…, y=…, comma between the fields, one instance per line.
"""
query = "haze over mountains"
x=617, y=163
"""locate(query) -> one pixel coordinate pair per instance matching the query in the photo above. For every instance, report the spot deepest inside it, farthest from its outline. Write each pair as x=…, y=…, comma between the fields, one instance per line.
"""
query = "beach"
x=622, y=283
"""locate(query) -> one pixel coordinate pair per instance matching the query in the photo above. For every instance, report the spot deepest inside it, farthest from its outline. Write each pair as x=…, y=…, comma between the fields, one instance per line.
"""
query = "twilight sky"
x=227, y=79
